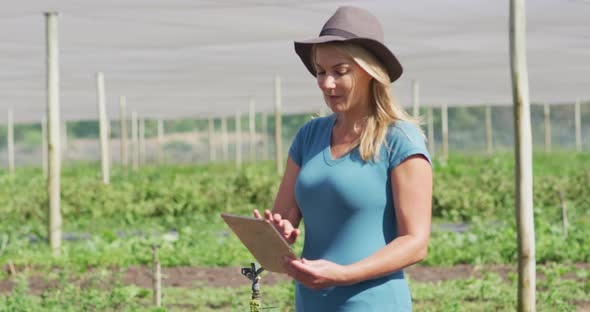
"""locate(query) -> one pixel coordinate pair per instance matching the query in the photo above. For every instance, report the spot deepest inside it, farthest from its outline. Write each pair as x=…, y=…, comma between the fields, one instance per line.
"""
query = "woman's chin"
x=337, y=107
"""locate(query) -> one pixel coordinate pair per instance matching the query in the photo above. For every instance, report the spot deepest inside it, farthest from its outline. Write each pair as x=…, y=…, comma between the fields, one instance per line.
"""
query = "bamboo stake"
x=104, y=129
x=523, y=158
x=134, y=141
x=489, y=142
x=224, y=139
x=10, y=142
x=156, y=277
x=252, y=128
x=53, y=144
x=124, y=136
x=278, y=126
x=430, y=120
x=44, y=146
x=445, y=132
x=547, y=115
x=578, y=123
x=416, y=97
x=160, y=141
x=142, y=141
x=212, y=151
x=265, y=155
x=238, y=140
x=563, y=213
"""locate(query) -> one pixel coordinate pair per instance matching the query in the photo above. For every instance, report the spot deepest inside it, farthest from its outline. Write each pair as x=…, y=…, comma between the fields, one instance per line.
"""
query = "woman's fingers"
x=257, y=214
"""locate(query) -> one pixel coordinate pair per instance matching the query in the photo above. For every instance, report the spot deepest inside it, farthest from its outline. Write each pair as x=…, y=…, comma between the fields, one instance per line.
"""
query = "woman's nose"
x=327, y=82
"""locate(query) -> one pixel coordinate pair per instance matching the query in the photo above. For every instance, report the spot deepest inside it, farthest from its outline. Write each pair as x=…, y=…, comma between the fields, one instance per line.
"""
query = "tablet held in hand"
x=262, y=239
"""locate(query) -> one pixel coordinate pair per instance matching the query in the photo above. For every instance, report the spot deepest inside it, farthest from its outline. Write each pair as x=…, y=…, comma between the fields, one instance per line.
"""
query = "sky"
x=173, y=58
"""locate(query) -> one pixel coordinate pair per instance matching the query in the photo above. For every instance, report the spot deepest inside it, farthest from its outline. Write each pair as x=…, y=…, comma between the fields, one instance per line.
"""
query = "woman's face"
x=344, y=84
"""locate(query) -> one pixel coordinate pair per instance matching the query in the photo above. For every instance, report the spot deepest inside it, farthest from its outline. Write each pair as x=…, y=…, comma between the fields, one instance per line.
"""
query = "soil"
x=193, y=277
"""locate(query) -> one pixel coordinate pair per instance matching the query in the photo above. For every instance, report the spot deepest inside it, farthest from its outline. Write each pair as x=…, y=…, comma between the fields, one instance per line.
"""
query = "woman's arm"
x=412, y=193
x=285, y=214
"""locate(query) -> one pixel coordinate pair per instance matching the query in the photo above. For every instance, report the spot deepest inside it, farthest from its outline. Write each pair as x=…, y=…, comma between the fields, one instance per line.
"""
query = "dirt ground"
x=191, y=277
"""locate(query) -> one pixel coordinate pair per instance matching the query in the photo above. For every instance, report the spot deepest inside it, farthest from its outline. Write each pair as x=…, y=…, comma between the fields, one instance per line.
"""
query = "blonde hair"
x=384, y=110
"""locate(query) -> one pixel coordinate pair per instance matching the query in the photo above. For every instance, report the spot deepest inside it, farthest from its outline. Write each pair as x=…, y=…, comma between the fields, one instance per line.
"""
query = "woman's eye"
x=320, y=72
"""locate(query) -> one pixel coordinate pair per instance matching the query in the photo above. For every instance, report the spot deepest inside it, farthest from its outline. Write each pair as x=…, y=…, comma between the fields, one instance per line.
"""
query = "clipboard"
x=262, y=239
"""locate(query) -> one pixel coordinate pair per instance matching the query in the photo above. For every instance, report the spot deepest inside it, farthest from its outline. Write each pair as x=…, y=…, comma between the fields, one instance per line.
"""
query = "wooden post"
x=563, y=213
x=224, y=139
x=523, y=159
x=104, y=130
x=430, y=120
x=489, y=142
x=265, y=155
x=252, y=128
x=134, y=141
x=53, y=144
x=416, y=97
x=44, y=145
x=238, y=140
x=278, y=126
x=547, y=115
x=212, y=151
x=10, y=143
x=141, y=141
x=578, y=123
x=123, y=134
x=445, y=132
x=160, y=141
x=156, y=277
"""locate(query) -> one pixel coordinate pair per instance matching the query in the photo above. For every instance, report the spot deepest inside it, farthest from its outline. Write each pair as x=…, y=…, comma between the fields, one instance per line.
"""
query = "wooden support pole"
x=445, y=132
x=523, y=159
x=134, y=141
x=156, y=277
x=578, y=124
x=430, y=120
x=10, y=143
x=160, y=141
x=547, y=115
x=489, y=141
x=104, y=130
x=142, y=141
x=238, y=140
x=265, y=155
x=278, y=126
x=44, y=146
x=53, y=141
x=224, y=139
x=252, y=129
x=124, y=136
x=212, y=150
x=416, y=98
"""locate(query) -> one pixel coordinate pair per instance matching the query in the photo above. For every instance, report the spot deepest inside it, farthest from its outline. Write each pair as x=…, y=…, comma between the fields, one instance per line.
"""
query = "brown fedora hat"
x=355, y=25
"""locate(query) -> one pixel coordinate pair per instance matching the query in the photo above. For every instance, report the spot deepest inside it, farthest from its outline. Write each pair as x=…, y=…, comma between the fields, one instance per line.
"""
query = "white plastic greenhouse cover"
x=175, y=58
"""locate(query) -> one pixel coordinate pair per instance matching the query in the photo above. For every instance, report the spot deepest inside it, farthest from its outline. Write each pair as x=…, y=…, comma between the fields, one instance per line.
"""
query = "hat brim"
x=392, y=65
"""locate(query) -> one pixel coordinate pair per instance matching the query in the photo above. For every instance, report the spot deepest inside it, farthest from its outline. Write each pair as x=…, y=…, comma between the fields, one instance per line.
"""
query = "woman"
x=361, y=178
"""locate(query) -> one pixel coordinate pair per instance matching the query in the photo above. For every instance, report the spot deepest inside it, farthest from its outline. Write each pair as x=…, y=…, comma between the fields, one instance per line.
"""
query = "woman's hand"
x=316, y=274
x=284, y=226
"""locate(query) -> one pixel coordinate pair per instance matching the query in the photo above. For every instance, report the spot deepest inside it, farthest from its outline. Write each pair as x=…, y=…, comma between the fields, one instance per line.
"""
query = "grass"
x=98, y=291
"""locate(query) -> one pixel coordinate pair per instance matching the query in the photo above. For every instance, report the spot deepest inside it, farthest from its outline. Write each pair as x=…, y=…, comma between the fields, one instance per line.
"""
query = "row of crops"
x=110, y=228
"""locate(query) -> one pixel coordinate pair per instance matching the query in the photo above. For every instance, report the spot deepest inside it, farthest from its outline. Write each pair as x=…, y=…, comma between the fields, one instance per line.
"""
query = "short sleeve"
x=405, y=139
x=296, y=149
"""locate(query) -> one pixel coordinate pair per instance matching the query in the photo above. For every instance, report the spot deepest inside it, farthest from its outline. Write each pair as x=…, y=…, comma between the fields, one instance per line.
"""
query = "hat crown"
x=351, y=22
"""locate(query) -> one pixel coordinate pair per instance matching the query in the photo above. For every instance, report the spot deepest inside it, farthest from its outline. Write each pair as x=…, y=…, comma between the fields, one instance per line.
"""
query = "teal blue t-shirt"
x=347, y=208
